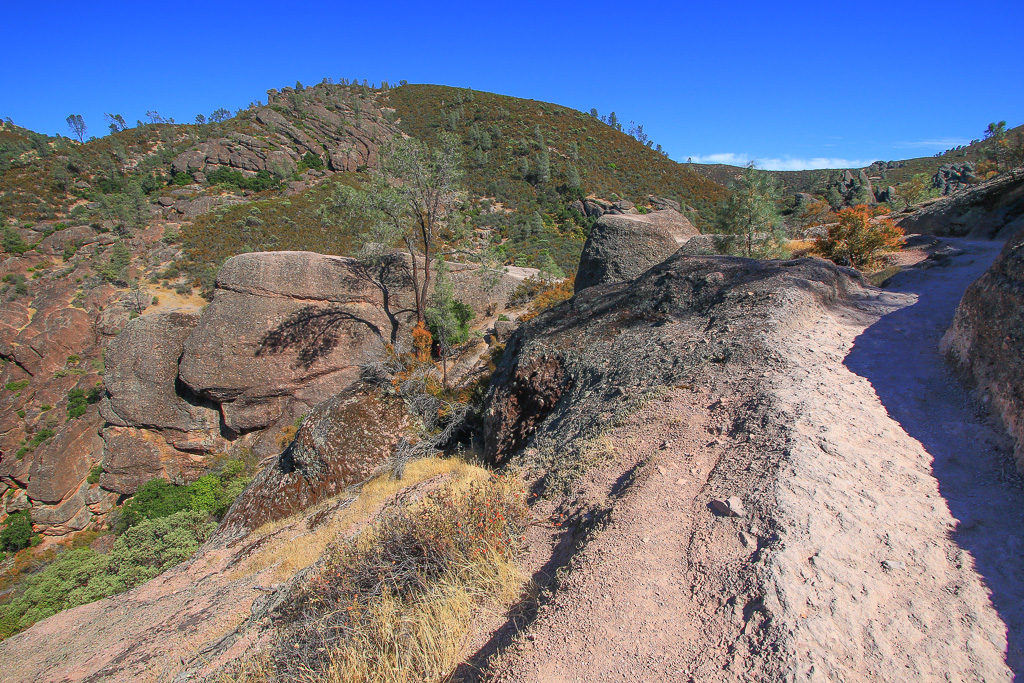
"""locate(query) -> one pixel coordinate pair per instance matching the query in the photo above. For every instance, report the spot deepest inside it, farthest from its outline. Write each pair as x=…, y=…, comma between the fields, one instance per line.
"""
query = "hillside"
x=508, y=131
x=895, y=172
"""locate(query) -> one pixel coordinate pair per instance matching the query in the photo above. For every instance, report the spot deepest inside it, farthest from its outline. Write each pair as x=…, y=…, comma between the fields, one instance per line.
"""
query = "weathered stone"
x=729, y=507
x=622, y=247
x=661, y=203
x=281, y=324
x=63, y=512
x=55, y=244
x=130, y=458
x=17, y=500
x=341, y=442
x=503, y=329
x=62, y=463
x=990, y=210
x=142, y=375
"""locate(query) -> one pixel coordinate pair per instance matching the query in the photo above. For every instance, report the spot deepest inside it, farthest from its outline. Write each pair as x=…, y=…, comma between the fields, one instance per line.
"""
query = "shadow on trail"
x=899, y=356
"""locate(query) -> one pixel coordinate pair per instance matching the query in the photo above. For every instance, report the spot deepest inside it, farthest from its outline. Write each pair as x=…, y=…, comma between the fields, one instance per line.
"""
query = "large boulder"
x=986, y=340
x=142, y=375
x=341, y=442
x=621, y=247
x=282, y=326
x=991, y=210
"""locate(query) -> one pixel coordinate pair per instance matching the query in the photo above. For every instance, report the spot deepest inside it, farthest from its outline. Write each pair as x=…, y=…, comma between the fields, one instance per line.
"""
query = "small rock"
x=646, y=539
x=890, y=565
x=747, y=540
x=661, y=470
x=730, y=507
x=665, y=444
x=680, y=482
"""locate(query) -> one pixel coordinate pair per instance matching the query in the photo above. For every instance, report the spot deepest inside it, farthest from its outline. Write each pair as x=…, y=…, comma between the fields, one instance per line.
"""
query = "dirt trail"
x=976, y=476
x=881, y=541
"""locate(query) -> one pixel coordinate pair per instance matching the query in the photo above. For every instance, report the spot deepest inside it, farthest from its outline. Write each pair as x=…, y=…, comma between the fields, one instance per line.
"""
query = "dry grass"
x=290, y=555
x=800, y=248
x=397, y=602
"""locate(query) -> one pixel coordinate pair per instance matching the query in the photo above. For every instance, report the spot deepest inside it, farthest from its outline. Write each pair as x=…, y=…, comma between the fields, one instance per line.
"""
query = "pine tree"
x=572, y=177
x=748, y=213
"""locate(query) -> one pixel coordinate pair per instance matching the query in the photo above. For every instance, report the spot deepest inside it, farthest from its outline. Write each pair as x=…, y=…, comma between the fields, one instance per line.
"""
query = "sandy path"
x=857, y=453
x=976, y=478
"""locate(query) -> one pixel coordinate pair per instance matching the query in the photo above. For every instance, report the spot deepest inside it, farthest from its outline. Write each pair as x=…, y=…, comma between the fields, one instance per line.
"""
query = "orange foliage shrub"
x=553, y=295
x=422, y=341
x=860, y=238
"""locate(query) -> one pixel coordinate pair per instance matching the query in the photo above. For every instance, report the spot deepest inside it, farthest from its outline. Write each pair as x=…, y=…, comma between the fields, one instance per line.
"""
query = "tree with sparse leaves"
x=417, y=191
x=77, y=126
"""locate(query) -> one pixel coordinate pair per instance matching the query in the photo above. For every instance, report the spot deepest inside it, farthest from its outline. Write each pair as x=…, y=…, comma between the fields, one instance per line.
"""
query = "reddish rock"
x=341, y=442
x=281, y=325
x=61, y=464
x=142, y=373
x=130, y=458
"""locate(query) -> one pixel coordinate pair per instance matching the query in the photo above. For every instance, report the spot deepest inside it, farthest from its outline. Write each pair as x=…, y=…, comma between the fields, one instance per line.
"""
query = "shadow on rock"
x=899, y=355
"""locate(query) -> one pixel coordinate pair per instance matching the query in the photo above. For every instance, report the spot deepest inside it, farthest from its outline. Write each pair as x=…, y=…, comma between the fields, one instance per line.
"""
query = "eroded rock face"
x=991, y=210
x=282, y=326
x=62, y=463
x=986, y=340
x=573, y=368
x=341, y=442
x=621, y=247
x=142, y=374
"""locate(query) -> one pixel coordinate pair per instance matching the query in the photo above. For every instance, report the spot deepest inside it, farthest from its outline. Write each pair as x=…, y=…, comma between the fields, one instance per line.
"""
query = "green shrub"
x=82, y=575
x=21, y=412
x=45, y=407
x=94, y=474
x=17, y=531
x=263, y=180
x=12, y=241
x=16, y=386
x=158, y=498
x=182, y=179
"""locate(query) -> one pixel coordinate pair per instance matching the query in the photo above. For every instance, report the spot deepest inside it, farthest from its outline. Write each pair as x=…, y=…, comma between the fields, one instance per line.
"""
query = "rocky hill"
x=716, y=470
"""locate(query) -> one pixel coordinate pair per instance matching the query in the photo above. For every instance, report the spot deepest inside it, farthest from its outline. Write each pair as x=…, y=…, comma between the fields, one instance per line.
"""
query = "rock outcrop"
x=951, y=178
x=991, y=210
x=341, y=442
x=986, y=340
x=621, y=247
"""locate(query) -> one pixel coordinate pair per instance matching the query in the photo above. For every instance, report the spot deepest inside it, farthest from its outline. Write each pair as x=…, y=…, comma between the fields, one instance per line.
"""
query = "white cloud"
x=783, y=164
x=944, y=143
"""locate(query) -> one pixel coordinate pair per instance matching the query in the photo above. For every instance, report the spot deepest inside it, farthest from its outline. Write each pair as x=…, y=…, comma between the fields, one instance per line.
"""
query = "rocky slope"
x=284, y=332
x=734, y=502
x=992, y=210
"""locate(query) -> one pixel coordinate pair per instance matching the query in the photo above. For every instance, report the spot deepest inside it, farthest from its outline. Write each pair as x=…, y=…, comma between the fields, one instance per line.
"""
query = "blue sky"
x=790, y=84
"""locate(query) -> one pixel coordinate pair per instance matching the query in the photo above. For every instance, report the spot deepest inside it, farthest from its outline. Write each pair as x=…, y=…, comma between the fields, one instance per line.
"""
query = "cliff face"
x=986, y=340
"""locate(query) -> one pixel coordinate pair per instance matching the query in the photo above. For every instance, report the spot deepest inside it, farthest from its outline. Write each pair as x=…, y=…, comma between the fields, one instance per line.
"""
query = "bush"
x=82, y=575
x=396, y=602
x=17, y=385
x=158, y=498
x=17, y=532
x=263, y=180
x=94, y=474
x=860, y=238
x=12, y=241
